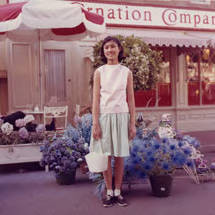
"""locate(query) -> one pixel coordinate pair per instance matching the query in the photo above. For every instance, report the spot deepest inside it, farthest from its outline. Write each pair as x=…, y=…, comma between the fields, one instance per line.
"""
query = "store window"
x=161, y=95
x=201, y=77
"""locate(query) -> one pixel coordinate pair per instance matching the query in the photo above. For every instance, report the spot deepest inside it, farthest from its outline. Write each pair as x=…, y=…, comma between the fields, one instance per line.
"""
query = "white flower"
x=86, y=146
x=79, y=160
x=7, y=128
x=166, y=117
x=29, y=118
x=165, y=132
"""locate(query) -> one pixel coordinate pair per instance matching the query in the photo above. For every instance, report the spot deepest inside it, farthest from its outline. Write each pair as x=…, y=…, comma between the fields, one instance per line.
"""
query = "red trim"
x=156, y=27
x=93, y=17
x=10, y=11
x=69, y=31
x=147, y=5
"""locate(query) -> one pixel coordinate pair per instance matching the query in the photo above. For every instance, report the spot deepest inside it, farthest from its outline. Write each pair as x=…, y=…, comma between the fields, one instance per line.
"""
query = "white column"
x=181, y=83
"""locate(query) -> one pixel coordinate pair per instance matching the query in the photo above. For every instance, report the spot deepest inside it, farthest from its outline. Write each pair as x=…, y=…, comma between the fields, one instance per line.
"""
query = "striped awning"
x=56, y=20
x=168, y=37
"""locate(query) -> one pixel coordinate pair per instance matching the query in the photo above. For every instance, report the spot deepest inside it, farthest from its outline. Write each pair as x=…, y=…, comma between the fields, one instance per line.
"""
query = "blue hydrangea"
x=151, y=155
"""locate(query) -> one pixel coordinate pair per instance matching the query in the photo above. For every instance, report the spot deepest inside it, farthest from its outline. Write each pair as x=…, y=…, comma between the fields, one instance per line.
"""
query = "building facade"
x=37, y=73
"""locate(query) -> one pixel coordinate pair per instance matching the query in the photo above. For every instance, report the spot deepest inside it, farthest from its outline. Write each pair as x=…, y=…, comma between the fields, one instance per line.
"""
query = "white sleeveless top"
x=113, y=81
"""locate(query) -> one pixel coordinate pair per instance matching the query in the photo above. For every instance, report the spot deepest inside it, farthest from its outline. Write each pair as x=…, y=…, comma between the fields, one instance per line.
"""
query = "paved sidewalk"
x=27, y=190
x=36, y=193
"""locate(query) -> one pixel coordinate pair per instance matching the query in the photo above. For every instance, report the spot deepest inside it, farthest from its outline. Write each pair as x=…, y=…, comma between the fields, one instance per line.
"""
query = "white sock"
x=117, y=192
x=110, y=192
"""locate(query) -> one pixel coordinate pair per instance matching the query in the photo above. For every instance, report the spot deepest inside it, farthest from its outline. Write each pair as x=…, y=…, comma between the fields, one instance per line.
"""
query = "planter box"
x=20, y=153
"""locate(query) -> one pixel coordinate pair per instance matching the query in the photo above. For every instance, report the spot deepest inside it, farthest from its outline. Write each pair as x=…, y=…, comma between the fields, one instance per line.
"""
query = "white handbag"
x=97, y=162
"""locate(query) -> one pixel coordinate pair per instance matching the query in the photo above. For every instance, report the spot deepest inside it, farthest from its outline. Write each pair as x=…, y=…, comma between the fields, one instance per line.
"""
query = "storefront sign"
x=153, y=16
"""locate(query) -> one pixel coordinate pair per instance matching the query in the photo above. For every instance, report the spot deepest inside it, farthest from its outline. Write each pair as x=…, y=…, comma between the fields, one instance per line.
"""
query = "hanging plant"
x=139, y=58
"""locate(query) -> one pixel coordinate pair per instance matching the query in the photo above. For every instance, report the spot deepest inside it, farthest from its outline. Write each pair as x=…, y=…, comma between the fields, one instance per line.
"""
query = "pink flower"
x=20, y=123
x=23, y=133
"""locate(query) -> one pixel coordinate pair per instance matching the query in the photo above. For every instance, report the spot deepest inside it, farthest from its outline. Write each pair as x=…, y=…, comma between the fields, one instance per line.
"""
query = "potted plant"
x=17, y=146
x=81, y=133
x=63, y=155
x=158, y=157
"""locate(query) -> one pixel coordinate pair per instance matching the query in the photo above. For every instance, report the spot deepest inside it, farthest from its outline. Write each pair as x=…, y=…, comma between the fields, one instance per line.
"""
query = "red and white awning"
x=56, y=20
x=167, y=37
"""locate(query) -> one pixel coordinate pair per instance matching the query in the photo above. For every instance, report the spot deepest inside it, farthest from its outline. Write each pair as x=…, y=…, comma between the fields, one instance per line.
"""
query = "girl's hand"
x=132, y=132
x=97, y=132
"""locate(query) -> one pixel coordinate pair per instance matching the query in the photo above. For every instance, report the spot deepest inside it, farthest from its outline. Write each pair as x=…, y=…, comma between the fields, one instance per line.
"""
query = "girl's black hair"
x=114, y=39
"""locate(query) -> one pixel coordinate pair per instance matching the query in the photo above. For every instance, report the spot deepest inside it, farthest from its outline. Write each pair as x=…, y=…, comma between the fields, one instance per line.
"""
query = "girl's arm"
x=131, y=106
x=96, y=106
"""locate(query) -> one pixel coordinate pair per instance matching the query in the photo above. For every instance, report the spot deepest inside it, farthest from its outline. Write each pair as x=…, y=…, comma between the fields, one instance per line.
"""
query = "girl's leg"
x=108, y=175
x=108, y=200
x=118, y=172
x=119, y=169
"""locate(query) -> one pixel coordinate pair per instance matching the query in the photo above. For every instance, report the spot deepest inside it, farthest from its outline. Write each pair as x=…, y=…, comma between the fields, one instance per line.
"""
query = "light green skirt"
x=114, y=139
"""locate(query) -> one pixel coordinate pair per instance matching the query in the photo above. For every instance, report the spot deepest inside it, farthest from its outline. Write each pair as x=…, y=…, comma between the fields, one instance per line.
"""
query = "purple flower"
x=77, y=120
x=40, y=128
x=23, y=133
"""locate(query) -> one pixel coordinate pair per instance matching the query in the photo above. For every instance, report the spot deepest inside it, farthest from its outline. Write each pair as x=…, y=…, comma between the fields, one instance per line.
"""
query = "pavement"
x=37, y=193
x=26, y=189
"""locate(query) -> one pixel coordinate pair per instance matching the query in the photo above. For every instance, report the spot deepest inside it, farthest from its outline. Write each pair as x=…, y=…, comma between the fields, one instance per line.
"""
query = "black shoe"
x=120, y=201
x=108, y=201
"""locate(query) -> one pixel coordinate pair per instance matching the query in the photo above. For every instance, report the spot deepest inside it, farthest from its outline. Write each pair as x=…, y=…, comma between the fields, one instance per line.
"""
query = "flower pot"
x=161, y=185
x=66, y=178
x=20, y=153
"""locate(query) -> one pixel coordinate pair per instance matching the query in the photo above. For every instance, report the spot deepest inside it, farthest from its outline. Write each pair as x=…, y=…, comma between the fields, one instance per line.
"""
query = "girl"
x=113, y=115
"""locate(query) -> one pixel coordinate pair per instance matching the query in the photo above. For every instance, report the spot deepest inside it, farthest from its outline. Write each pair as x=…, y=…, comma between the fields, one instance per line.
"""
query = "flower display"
x=66, y=153
x=154, y=155
x=61, y=154
x=22, y=136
